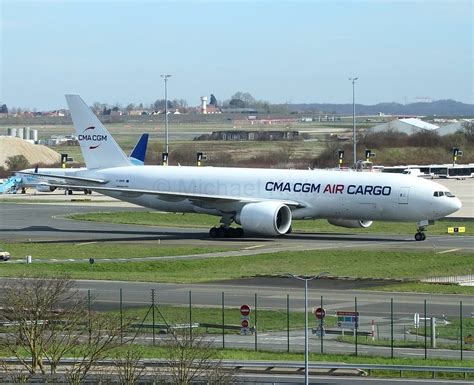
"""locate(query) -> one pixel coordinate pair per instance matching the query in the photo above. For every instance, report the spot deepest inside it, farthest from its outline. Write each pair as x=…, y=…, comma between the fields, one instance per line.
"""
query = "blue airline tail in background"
x=137, y=157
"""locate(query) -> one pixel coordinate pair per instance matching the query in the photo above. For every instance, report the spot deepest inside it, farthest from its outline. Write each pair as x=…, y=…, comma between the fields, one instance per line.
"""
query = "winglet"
x=98, y=147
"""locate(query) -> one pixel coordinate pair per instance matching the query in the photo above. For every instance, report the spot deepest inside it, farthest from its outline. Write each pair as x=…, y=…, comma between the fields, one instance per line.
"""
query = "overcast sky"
x=279, y=51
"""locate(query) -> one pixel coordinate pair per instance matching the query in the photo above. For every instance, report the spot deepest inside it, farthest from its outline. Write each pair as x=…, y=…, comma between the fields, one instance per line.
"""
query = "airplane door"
x=403, y=195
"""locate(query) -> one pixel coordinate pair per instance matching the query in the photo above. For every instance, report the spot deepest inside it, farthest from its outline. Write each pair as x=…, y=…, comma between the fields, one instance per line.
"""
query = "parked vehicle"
x=4, y=255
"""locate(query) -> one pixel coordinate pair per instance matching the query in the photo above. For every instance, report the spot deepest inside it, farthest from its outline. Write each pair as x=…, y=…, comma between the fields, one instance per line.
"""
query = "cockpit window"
x=443, y=193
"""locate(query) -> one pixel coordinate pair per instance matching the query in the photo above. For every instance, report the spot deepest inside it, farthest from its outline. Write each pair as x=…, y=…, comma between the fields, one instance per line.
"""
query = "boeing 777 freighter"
x=263, y=201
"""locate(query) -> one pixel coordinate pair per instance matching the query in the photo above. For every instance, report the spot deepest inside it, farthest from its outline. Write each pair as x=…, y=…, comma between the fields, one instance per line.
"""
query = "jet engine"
x=265, y=218
x=43, y=187
x=350, y=223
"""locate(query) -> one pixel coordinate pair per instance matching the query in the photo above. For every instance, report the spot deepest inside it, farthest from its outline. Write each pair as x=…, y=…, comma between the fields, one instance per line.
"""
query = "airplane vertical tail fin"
x=98, y=147
x=137, y=156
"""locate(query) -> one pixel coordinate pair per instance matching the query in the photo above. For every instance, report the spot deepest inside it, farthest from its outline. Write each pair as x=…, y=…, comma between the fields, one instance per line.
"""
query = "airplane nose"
x=457, y=204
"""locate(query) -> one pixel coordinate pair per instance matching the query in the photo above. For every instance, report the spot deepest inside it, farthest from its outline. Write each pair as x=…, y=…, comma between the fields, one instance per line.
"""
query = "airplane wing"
x=197, y=199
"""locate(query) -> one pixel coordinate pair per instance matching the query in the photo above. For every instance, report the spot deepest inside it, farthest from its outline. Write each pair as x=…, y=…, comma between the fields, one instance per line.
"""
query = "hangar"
x=406, y=125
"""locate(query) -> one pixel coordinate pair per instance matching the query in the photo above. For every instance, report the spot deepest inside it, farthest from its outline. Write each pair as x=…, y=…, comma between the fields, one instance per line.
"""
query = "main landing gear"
x=420, y=232
x=225, y=231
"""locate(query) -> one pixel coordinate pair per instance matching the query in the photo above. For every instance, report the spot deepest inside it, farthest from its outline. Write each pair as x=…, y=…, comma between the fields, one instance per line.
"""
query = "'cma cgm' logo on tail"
x=89, y=136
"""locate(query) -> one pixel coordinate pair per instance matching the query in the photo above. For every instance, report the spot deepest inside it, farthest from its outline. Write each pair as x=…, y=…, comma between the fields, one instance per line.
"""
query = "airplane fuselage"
x=322, y=194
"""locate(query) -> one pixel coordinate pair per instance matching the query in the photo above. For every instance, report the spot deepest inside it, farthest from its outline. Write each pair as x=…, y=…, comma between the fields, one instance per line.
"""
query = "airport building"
x=408, y=126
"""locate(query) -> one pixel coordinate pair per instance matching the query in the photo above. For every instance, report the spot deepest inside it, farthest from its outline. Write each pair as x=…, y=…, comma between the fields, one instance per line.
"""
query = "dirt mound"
x=35, y=153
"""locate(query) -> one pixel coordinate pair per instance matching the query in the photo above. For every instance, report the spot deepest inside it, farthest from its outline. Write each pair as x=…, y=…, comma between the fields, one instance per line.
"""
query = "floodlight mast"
x=165, y=78
x=354, y=139
x=306, y=278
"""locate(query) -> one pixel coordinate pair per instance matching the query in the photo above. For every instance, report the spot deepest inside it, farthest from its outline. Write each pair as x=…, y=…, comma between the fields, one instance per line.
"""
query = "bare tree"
x=49, y=320
x=129, y=367
x=189, y=358
x=31, y=307
x=468, y=127
x=103, y=335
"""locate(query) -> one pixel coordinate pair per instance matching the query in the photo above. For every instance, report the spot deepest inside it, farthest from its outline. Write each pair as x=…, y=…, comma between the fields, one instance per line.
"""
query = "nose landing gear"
x=420, y=235
x=420, y=232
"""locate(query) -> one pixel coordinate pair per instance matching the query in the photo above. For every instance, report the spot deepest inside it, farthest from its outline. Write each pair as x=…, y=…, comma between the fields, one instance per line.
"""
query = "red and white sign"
x=245, y=323
x=245, y=310
x=320, y=313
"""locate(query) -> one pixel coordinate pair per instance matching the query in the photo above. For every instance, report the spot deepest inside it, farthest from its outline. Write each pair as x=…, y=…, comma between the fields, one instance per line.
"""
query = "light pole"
x=354, y=139
x=306, y=278
x=166, y=77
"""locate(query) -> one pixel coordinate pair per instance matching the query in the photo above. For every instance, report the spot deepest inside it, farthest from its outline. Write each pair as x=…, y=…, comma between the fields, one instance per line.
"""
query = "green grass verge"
x=401, y=343
x=422, y=287
x=205, y=221
x=450, y=331
x=102, y=250
x=381, y=264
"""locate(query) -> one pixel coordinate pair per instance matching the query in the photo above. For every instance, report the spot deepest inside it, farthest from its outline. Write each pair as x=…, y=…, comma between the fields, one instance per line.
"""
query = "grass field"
x=401, y=344
x=103, y=250
x=153, y=218
x=379, y=264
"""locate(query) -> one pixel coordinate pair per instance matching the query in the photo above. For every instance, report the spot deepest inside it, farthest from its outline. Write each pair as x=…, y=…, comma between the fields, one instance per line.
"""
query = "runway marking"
x=447, y=251
x=85, y=243
x=252, y=247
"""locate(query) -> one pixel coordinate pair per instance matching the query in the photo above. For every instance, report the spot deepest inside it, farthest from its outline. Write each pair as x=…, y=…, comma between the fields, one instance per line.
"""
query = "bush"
x=17, y=163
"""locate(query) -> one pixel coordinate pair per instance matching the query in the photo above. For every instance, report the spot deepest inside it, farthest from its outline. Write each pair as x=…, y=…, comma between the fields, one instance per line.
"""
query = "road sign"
x=347, y=319
x=245, y=323
x=320, y=313
x=245, y=310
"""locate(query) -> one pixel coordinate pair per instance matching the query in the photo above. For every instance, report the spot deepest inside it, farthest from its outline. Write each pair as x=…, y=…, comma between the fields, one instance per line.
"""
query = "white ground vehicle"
x=4, y=255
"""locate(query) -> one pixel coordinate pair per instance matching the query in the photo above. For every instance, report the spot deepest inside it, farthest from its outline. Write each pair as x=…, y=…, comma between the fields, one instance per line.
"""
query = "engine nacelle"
x=265, y=218
x=43, y=187
x=349, y=223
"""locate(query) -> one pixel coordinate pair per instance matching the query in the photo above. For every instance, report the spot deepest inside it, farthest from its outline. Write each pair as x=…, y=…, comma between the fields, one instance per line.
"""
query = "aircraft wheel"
x=420, y=237
x=239, y=232
x=213, y=232
x=221, y=232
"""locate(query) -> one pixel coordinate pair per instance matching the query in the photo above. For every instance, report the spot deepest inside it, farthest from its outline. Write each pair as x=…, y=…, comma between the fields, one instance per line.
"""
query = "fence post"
x=223, y=323
x=321, y=328
x=460, y=327
x=153, y=313
x=426, y=334
x=356, y=325
x=121, y=316
x=190, y=316
x=288, y=323
x=391, y=327
x=256, y=332
x=89, y=313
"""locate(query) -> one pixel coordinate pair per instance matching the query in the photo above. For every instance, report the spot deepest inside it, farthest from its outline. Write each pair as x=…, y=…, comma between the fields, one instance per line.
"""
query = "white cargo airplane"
x=262, y=201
